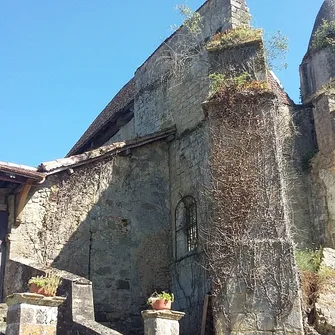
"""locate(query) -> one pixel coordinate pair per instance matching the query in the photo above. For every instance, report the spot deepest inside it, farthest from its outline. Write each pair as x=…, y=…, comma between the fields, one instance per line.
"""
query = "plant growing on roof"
x=233, y=37
x=276, y=48
x=219, y=83
x=189, y=44
x=276, y=45
x=192, y=20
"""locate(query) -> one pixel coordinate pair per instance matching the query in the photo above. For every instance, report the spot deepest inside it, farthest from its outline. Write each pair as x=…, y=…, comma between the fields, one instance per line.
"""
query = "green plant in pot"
x=46, y=285
x=161, y=301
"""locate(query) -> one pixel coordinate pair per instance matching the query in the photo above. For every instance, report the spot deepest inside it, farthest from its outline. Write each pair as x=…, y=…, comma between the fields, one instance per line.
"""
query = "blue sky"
x=62, y=61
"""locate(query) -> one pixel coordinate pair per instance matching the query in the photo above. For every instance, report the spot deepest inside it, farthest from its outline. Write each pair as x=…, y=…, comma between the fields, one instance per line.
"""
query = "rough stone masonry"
x=129, y=209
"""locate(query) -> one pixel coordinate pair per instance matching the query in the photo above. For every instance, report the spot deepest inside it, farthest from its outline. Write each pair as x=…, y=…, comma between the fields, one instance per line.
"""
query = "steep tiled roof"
x=21, y=173
x=15, y=172
x=121, y=100
x=278, y=89
x=112, y=149
x=127, y=93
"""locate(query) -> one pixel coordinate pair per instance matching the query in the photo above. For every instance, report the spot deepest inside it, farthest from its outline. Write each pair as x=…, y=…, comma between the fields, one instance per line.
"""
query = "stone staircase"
x=3, y=318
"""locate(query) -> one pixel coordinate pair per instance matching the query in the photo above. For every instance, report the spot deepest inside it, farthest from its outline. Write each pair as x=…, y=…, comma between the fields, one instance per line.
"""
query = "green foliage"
x=163, y=295
x=220, y=83
x=276, y=45
x=49, y=282
x=314, y=277
x=234, y=37
x=308, y=260
x=217, y=80
x=192, y=20
x=276, y=48
x=241, y=79
x=324, y=36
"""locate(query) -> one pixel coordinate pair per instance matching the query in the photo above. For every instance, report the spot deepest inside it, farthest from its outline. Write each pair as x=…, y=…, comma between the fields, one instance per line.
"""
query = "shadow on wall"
x=190, y=287
x=76, y=314
x=109, y=222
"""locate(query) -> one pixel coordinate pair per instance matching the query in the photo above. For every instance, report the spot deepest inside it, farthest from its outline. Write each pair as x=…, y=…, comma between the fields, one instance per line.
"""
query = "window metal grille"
x=186, y=226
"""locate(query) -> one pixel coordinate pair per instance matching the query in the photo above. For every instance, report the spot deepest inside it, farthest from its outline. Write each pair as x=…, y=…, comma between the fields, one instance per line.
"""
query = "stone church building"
x=138, y=203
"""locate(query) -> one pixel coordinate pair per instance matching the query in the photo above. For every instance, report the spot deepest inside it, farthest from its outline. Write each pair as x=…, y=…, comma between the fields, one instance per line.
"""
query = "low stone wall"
x=76, y=314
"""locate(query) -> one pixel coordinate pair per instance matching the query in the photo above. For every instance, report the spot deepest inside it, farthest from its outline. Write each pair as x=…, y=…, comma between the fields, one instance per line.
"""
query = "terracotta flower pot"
x=159, y=304
x=33, y=288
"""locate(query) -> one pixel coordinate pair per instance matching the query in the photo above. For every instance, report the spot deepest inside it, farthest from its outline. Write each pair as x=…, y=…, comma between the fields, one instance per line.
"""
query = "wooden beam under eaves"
x=21, y=200
x=16, y=179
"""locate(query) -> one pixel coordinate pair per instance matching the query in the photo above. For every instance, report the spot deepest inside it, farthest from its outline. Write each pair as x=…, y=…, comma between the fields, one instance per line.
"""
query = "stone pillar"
x=164, y=322
x=30, y=313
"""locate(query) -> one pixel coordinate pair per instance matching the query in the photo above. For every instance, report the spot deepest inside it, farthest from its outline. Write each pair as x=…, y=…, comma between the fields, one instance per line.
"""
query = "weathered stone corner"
x=162, y=314
x=30, y=313
x=33, y=299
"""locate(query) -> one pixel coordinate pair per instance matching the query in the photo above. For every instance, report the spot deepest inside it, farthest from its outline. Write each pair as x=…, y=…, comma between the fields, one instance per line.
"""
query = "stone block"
x=238, y=303
x=265, y=322
x=244, y=322
x=37, y=329
x=30, y=314
x=328, y=257
x=164, y=322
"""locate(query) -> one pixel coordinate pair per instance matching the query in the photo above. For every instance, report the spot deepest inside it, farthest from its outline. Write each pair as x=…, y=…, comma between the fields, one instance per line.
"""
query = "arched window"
x=186, y=227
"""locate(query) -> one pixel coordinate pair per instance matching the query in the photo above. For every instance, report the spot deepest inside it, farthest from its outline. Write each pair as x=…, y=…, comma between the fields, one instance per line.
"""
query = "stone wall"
x=173, y=82
x=322, y=171
x=126, y=132
x=302, y=146
x=188, y=176
x=312, y=181
x=109, y=222
x=160, y=105
x=170, y=94
x=316, y=70
x=324, y=122
x=76, y=314
x=250, y=248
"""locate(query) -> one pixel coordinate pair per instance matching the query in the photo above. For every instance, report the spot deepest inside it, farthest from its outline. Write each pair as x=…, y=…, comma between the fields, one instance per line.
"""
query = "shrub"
x=315, y=278
x=324, y=36
x=234, y=37
x=308, y=260
x=242, y=83
x=192, y=20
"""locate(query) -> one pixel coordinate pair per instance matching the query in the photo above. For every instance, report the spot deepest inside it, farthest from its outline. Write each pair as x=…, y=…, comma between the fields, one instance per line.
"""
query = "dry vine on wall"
x=247, y=242
x=72, y=197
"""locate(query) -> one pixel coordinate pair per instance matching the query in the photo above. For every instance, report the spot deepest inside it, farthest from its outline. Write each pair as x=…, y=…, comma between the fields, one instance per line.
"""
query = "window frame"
x=189, y=226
